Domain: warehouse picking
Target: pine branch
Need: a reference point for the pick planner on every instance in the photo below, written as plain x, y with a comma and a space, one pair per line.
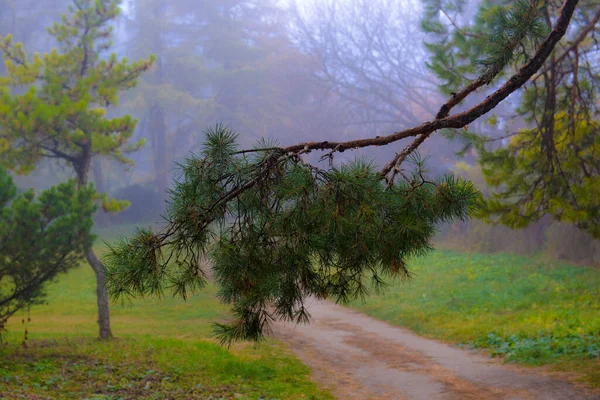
512, 84
279, 231
458, 120
421, 132
592, 24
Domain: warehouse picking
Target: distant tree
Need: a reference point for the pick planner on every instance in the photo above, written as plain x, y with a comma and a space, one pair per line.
370, 57
40, 237
166, 105
61, 112
369, 60
258, 80
280, 229
543, 157
216, 60
27, 19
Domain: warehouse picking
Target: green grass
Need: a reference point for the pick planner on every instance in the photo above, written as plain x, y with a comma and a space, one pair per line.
528, 310
163, 350
525, 309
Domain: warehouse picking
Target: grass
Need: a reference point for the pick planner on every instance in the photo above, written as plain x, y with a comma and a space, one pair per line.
163, 350
528, 310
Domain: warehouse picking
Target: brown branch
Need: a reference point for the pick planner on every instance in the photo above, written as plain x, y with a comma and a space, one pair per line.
582, 35
421, 132
515, 82
57, 154
580, 38
458, 28
456, 99
462, 119
574, 92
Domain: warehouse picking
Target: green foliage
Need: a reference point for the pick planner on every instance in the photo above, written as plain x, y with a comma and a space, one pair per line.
519, 28
112, 205
40, 237
558, 240
549, 166
164, 350
279, 230
530, 184
54, 105
529, 310
500, 34
545, 348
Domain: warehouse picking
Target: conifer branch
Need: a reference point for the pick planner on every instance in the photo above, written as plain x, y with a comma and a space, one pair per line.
512, 84
278, 230
458, 120
422, 131
592, 24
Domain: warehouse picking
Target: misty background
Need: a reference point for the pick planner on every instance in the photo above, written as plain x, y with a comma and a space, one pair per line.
289, 71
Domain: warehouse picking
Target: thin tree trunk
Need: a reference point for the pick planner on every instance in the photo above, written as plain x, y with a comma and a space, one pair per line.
82, 168
159, 147
101, 294
101, 218
158, 116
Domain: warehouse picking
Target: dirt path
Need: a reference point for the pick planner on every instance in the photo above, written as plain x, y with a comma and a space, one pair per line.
358, 357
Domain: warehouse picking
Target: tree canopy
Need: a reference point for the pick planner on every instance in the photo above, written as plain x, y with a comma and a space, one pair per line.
61, 113
279, 229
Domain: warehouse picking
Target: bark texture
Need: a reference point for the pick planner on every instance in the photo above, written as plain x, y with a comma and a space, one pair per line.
82, 167
101, 294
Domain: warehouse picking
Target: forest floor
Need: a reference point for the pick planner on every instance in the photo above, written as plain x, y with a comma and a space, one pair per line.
358, 357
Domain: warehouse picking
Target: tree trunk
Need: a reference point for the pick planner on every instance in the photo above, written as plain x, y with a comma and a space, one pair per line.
101, 294
101, 218
82, 168
159, 147
157, 117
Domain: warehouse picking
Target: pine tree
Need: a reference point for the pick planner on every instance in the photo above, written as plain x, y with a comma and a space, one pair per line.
279, 229
40, 237
59, 109
545, 159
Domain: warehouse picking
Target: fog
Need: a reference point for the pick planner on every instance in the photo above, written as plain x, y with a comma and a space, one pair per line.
409, 181
289, 71
266, 69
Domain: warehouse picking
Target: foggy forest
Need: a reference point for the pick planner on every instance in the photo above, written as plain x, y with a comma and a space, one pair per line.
300, 199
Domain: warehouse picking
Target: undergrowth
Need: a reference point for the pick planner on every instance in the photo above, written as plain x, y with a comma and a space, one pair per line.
543, 349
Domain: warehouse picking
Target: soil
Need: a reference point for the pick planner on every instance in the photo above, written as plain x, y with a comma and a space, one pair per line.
358, 357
